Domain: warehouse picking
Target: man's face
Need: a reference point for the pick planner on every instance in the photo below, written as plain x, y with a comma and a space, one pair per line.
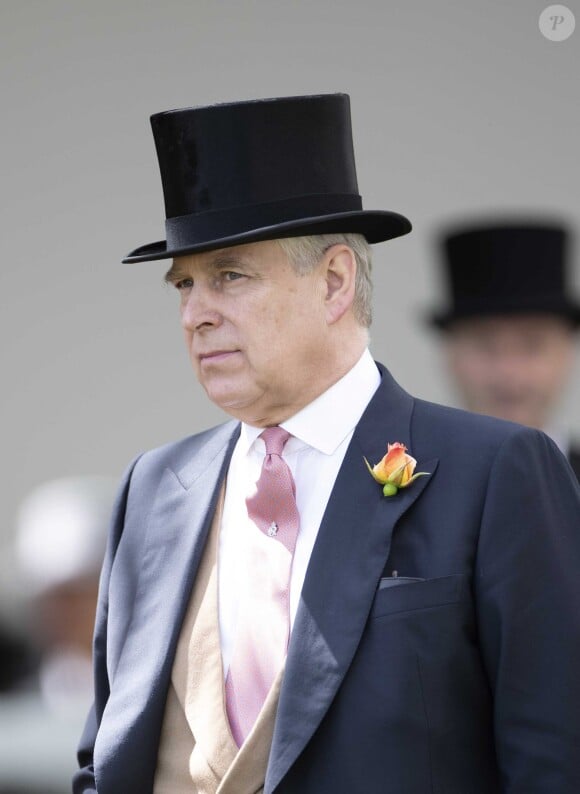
514, 367
255, 330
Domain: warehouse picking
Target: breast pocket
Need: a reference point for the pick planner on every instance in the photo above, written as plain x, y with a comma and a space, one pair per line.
404, 594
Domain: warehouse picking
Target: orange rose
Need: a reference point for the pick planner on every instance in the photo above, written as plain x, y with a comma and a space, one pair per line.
395, 470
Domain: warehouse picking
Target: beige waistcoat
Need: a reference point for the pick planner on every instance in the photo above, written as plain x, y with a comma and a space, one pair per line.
197, 753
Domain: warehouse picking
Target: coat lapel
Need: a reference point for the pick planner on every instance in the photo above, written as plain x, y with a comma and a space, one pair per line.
349, 556
176, 530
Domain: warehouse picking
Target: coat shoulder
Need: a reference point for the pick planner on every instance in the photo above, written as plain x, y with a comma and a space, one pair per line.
179, 455
440, 429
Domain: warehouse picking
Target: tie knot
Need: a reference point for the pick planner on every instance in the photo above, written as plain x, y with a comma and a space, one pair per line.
274, 439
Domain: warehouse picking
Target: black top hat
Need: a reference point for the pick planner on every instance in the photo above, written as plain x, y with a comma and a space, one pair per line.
246, 171
506, 268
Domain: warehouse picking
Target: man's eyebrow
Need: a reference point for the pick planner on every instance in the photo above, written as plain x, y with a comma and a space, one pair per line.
219, 261
172, 274
224, 259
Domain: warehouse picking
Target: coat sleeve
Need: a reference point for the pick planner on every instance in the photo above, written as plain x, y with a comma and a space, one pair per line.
84, 778
527, 588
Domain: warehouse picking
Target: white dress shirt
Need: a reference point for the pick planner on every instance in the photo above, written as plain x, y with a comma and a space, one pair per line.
321, 433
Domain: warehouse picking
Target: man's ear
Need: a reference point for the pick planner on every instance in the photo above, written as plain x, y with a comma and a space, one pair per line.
340, 274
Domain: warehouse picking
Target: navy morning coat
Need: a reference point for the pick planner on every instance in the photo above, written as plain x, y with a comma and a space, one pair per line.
436, 648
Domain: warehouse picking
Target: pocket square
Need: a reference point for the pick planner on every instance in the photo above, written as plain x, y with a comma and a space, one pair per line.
394, 581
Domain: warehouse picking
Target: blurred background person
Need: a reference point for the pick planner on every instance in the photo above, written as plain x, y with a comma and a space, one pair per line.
59, 546
509, 328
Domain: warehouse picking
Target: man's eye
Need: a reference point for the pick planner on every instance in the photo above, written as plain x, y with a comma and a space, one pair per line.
231, 275
184, 283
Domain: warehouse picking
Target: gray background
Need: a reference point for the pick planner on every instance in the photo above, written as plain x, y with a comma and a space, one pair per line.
458, 108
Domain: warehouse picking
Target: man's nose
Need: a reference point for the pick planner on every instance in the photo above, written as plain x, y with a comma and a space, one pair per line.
198, 310
511, 369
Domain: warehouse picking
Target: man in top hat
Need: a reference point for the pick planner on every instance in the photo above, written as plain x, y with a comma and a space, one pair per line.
510, 329
284, 606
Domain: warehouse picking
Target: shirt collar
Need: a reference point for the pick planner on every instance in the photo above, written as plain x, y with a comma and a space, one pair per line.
326, 421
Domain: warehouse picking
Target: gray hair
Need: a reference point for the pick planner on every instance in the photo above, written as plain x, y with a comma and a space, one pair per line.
304, 253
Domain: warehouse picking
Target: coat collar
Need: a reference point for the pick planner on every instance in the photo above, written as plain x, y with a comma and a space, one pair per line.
349, 555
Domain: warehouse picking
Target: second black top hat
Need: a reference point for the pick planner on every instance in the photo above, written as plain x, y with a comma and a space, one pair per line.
506, 268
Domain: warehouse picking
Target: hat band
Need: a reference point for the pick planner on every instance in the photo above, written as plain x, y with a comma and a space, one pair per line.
545, 300
200, 227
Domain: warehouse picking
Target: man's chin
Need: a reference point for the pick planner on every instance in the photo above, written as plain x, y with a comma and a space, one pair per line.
249, 408
228, 399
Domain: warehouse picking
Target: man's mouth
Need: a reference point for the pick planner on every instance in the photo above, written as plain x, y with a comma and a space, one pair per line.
215, 356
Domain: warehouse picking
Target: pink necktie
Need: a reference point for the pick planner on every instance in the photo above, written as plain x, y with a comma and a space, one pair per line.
263, 627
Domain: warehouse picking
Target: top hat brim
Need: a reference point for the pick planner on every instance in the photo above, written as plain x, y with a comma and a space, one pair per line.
376, 226
559, 307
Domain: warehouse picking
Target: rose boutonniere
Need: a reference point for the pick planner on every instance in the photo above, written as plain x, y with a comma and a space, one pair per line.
395, 470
